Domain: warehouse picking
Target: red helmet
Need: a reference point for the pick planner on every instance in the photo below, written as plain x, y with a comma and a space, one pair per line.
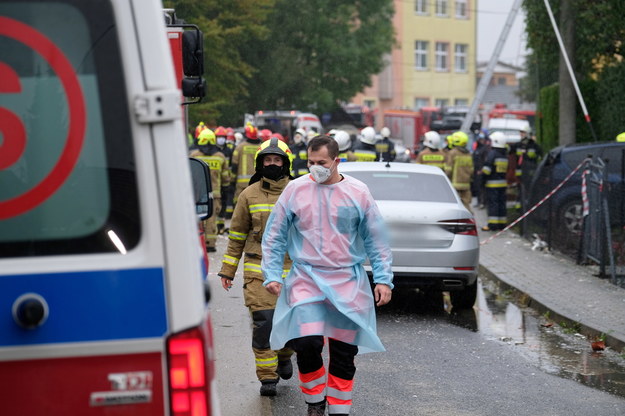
230, 134
251, 132
220, 131
265, 134
279, 136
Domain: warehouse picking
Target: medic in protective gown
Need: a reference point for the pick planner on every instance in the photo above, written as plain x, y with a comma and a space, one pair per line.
328, 232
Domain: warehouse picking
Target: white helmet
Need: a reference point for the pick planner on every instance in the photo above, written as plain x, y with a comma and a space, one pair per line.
385, 132
367, 135
432, 140
343, 140
498, 140
238, 137
332, 132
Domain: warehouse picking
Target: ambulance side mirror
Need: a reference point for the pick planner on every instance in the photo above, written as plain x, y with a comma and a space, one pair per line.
193, 85
202, 189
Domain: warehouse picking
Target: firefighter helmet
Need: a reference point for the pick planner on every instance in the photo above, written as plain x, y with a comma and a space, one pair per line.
432, 140
621, 137
272, 146
265, 134
230, 134
498, 139
279, 136
251, 132
385, 132
342, 139
207, 136
368, 135
221, 132
459, 139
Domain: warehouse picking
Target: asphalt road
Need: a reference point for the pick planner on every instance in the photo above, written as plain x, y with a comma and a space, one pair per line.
435, 364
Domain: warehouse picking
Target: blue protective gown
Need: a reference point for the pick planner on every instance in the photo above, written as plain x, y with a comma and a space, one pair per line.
328, 232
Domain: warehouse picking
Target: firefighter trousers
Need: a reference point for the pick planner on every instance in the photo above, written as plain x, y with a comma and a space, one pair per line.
210, 225
261, 305
337, 387
497, 212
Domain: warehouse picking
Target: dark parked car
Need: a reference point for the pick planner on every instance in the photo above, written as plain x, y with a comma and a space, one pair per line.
566, 204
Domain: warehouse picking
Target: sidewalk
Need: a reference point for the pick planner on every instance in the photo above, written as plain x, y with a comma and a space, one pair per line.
554, 283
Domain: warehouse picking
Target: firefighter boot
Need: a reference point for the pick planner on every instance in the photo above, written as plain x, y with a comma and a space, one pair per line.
285, 369
316, 409
268, 387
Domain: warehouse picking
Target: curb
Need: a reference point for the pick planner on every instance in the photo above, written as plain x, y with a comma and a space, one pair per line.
526, 300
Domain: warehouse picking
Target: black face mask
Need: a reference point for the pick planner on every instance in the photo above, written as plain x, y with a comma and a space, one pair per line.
273, 172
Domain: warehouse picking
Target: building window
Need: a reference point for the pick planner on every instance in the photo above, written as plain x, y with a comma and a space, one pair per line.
441, 8
442, 56
441, 102
420, 103
421, 7
461, 102
501, 81
462, 10
460, 57
421, 55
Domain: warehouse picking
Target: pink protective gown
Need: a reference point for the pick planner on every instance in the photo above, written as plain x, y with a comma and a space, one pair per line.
328, 232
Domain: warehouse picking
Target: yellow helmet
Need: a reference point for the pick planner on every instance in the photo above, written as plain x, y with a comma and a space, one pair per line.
273, 146
207, 136
459, 139
621, 137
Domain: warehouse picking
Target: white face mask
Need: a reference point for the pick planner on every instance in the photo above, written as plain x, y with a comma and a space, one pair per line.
221, 141
320, 173
298, 138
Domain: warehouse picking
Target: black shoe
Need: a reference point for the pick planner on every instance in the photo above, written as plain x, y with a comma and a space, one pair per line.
268, 388
316, 409
285, 369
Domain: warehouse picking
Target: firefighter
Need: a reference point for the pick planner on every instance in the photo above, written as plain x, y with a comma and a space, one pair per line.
385, 148
364, 148
230, 145
265, 134
272, 174
198, 129
243, 160
344, 141
300, 154
220, 177
221, 134
527, 154
459, 167
431, 154
494, 172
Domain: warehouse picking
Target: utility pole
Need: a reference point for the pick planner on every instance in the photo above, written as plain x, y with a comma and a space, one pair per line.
488, 73
566, 110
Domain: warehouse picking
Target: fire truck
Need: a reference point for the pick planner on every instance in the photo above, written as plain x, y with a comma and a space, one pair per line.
103, 301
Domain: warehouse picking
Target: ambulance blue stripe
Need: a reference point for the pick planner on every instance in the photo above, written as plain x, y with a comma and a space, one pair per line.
87, 306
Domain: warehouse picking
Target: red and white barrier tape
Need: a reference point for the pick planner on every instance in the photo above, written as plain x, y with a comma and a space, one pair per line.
542, 201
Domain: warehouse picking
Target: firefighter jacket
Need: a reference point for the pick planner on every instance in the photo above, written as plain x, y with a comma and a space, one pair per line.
299, 164
248, 223
347, 156
460, 168
495, 168
385, 150
218, 164
432, 157
243, 163
328, 231
365, 152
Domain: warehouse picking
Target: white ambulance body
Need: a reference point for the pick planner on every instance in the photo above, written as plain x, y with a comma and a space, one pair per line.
102, 303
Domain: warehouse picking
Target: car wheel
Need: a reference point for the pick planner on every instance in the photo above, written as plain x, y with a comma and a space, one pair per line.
464, 299
571, 216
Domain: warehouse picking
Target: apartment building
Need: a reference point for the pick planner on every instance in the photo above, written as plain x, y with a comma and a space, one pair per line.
434, 63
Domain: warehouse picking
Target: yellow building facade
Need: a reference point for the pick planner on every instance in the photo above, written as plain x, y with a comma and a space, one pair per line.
434, 62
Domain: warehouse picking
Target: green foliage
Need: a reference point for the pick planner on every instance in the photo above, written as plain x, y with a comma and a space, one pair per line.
611, 102
548, 119
588, 88
228, 27
319, 52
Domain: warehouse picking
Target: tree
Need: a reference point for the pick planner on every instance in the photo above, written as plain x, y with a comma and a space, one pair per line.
229, 27
319, 52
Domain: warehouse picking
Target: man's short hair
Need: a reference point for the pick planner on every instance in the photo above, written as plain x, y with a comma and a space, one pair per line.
318, 142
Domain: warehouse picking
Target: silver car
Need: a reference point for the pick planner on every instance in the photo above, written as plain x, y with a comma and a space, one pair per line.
433, 236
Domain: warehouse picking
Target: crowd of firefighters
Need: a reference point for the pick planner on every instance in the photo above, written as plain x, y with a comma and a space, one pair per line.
485, 170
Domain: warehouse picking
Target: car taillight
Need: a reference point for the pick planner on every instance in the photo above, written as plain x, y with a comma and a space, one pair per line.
465, 226
188, 374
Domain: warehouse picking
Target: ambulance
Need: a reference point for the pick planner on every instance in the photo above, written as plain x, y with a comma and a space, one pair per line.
103, 303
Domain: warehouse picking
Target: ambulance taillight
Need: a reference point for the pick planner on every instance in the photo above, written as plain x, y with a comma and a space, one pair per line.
189, 373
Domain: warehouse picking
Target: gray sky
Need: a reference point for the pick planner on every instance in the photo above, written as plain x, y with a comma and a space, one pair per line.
491, 17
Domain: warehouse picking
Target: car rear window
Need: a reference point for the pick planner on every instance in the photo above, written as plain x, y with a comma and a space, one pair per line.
406, 186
